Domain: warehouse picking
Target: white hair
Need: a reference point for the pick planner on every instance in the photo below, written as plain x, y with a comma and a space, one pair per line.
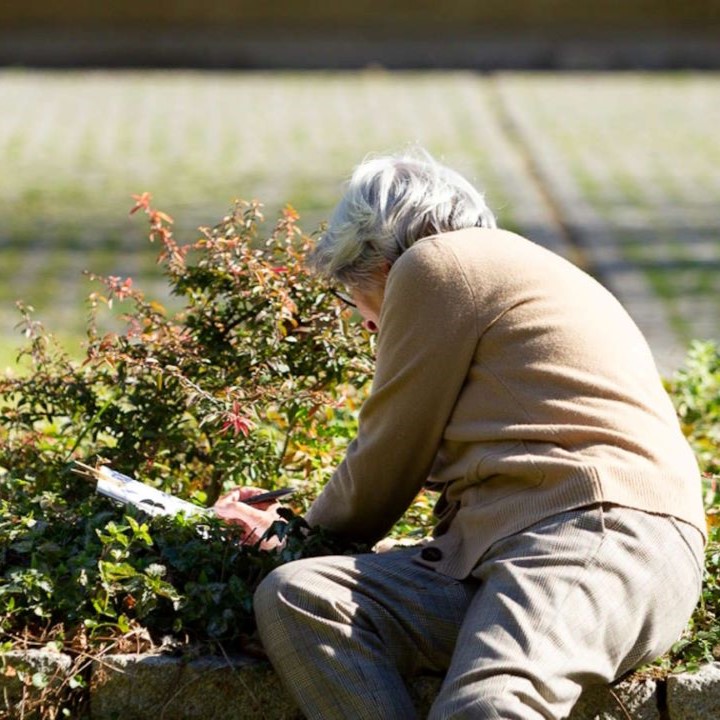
390, 203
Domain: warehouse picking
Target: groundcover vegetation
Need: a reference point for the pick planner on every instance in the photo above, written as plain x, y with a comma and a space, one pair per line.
254, 380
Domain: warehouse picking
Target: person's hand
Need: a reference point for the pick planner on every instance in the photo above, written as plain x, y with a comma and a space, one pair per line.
254, 519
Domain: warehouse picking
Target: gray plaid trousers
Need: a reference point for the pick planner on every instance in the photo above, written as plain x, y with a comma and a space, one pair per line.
575, 600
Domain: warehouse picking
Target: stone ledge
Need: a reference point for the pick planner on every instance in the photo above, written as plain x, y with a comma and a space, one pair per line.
63, 47
138, 687
695, 696
16, 674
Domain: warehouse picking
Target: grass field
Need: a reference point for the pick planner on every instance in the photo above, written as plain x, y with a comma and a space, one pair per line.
643, 153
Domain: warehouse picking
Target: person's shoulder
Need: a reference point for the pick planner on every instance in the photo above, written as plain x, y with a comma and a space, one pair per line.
429, 255
499, 262
453, 258
483, 244
437, 259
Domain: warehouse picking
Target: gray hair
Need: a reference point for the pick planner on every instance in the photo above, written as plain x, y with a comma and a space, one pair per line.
390, 203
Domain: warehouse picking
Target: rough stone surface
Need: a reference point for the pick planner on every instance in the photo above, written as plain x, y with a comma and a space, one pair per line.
142, 687
630, 699
695, 696
17, 669
138, 687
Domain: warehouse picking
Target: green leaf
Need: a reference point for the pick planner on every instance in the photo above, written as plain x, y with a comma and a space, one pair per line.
40, 680
111, 572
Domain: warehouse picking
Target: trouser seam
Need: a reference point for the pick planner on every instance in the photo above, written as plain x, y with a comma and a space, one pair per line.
698, 564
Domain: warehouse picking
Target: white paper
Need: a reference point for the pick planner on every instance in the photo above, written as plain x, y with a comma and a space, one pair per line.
150, 500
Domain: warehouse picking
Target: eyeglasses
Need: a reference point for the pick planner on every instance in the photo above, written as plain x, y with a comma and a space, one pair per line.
344, 298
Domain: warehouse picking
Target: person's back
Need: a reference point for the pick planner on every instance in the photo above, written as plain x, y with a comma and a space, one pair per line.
561, 396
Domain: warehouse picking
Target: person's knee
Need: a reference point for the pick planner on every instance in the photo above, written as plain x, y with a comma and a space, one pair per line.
285, 589
265, 595
270, 585
267, 599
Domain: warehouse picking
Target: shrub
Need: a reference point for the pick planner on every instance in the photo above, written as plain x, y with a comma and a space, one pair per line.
696, 393
254, 378
695, 390
226, 390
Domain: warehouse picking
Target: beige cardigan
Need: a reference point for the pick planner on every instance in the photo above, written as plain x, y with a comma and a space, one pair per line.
518, 385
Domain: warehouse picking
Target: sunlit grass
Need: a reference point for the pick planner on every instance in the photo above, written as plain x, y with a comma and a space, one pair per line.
198, 141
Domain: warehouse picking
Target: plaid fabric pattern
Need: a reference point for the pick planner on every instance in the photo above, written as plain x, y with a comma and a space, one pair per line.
575, 600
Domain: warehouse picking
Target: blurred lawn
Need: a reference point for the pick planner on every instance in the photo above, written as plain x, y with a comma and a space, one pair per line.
74, 146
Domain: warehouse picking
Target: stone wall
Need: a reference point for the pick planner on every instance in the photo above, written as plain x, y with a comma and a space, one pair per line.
357, 33
138, 687
374, 16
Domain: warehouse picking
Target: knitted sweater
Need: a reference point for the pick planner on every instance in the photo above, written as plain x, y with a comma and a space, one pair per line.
517, 385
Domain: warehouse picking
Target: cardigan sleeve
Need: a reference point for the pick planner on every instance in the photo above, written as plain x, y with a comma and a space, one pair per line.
428, 337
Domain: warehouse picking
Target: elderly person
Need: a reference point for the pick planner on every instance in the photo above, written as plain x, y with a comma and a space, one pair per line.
569, 543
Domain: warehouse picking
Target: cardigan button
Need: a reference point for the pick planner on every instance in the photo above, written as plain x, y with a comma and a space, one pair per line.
431, 554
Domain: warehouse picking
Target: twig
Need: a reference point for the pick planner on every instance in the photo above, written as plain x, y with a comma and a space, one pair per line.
620, 703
